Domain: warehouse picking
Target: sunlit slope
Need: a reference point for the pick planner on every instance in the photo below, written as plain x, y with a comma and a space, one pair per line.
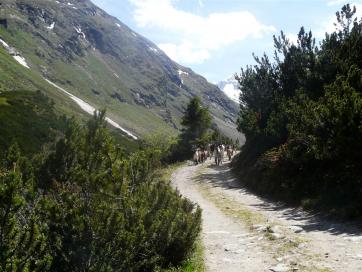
97, 58
30, 118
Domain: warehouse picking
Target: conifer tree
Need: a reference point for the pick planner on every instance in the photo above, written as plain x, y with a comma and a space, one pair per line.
196, 121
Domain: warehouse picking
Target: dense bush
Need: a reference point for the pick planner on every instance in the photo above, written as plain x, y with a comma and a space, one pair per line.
301, 115
87, 206
29, 119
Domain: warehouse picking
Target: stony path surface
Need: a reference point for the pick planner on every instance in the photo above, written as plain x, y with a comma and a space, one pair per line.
242, 232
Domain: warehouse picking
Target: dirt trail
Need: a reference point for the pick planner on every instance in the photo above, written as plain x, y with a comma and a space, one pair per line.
242, 232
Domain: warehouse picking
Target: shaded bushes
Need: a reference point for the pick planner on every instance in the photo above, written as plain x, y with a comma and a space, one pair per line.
27, 118
86, 206
302, 119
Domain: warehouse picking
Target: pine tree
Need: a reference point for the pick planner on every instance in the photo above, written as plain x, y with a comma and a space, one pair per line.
196, 121
23, 241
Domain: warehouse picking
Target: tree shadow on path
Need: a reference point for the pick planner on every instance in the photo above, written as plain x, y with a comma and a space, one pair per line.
222, 177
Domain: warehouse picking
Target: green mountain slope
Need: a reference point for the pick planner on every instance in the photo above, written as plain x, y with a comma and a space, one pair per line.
100, 60
30, 118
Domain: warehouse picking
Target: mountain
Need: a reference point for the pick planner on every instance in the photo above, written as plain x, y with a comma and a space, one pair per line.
80, 54
230, 87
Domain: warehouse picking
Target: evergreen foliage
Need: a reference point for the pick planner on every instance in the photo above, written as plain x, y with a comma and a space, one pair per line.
301, 115
28, 118
85, 205
196, 123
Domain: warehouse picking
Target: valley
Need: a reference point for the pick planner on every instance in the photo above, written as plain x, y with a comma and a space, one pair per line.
113, 156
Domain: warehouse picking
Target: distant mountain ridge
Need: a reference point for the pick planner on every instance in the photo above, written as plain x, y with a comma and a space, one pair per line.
96, 57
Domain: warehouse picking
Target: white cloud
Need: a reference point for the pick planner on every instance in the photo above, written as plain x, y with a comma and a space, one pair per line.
198, 36
336, 2
185, 52
293, 38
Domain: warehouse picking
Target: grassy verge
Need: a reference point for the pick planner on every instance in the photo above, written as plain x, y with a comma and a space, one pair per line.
196, 261
166, 172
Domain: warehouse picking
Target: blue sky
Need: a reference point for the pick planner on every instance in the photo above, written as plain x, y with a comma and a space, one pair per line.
216, 38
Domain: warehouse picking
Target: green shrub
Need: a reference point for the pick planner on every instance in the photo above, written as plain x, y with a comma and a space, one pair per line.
302, 119
91, 207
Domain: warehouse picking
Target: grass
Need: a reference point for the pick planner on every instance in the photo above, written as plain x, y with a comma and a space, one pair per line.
166, 172
126, 143
3, 101
195, 263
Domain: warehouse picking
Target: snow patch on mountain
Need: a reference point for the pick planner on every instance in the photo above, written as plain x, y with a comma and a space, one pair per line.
51, 26
90, 109
180, 72
21, 60
153, 49
230, 88
79, 31
4, 44
14, 53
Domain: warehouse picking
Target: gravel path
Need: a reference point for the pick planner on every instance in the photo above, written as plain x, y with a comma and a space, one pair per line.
242, 232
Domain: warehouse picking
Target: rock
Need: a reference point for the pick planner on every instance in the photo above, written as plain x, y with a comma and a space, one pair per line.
296, 229
280, 268
277, 236
230, 247
353, 239
274, 229
340, 244
259, 228
302, 245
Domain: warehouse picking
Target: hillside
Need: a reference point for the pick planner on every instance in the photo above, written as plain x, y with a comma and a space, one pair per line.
26, 115
97, 58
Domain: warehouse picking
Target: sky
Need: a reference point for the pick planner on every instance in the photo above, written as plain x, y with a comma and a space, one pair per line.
216, 38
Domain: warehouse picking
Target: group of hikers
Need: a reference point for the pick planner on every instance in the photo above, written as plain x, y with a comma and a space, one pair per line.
213, 150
